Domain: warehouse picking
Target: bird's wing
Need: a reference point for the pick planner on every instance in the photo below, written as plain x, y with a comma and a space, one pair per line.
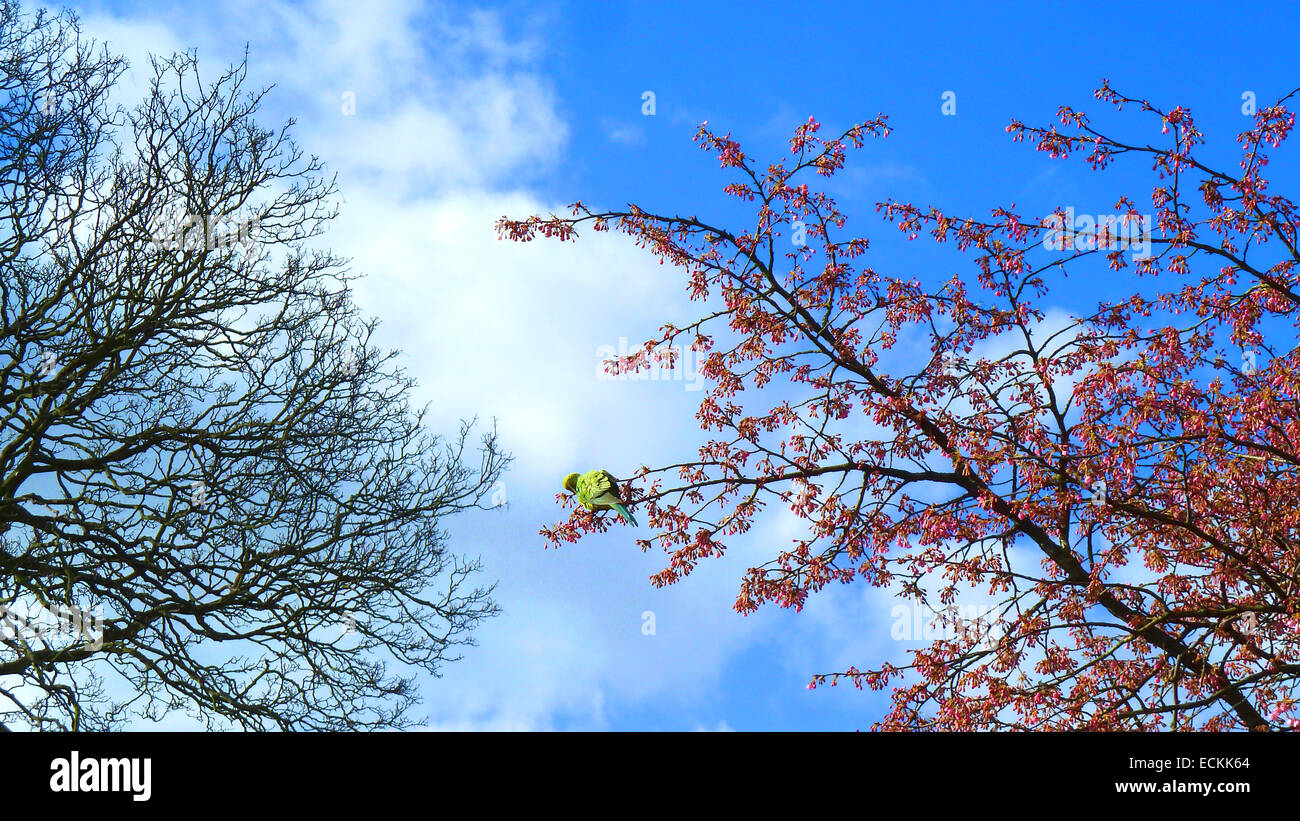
599, 487
613, 483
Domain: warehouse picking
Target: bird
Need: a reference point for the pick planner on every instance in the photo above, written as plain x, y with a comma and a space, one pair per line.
598, 490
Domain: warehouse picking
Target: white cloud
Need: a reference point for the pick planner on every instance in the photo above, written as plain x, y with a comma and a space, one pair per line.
442, 144
720, 727
623, 132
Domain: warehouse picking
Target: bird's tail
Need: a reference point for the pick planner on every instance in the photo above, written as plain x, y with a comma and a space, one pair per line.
622, 511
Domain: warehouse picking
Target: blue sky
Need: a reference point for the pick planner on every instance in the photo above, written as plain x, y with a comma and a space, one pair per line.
466, 112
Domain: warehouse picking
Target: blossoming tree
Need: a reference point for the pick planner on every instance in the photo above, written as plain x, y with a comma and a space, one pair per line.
1125, 487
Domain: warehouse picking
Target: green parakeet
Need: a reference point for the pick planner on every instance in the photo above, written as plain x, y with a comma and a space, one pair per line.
597, 490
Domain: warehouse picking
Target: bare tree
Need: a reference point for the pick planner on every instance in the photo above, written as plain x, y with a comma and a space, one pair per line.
212, 483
